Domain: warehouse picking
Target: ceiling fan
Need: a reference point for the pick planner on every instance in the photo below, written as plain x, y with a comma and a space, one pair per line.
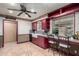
23, 10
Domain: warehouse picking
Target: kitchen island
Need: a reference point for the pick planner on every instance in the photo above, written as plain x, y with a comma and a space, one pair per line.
40, 40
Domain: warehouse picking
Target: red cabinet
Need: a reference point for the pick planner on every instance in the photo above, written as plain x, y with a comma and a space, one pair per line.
34, 25
46, 24
40, 41
34, 40
43, 42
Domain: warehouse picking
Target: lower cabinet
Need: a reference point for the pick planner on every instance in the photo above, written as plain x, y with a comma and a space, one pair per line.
74, 50
34, 40
41, 41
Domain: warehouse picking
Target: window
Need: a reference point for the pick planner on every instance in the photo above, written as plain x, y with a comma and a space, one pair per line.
64, 24
39, 26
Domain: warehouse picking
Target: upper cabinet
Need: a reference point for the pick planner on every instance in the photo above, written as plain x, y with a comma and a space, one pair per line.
34, 25
41, 24
46, 24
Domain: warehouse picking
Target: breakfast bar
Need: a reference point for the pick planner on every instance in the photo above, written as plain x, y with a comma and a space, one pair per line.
73, 45
40, 40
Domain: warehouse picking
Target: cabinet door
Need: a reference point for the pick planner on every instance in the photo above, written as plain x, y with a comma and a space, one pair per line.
34, 40
40, 43
43, 42
44, 24
46, 42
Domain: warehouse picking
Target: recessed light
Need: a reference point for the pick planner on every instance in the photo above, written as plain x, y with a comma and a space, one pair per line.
13, 4
10, 11
32, 10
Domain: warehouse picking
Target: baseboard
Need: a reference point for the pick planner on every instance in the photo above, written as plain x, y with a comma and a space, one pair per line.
22, 42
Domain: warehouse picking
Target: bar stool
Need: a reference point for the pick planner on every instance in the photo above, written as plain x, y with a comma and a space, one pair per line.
64, 46
53, 45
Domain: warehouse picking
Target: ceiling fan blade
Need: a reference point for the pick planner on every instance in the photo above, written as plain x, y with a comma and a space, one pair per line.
19, 13
14, 9
22, 6
31, 12
27, 14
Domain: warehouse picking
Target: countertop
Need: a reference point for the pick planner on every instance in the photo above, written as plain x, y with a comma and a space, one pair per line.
72, 41
35, 35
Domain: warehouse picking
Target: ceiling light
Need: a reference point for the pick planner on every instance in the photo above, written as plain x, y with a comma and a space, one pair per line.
10, 11
12, 4
32, 10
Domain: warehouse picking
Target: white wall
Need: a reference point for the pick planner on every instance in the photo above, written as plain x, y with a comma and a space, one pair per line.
1, 25
24, 26
76, 21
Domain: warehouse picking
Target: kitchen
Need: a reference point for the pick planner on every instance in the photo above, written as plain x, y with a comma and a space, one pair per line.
61, 24
43, 28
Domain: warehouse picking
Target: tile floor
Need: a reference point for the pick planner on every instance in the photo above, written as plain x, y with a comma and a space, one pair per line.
24, 49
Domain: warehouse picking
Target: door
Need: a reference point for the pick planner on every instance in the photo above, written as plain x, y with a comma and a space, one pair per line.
10, 31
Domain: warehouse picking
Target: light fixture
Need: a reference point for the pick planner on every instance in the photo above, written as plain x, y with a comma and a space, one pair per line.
13, 4
10, 11
32, 10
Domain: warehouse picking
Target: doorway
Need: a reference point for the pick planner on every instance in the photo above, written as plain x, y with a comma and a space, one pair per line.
10, 33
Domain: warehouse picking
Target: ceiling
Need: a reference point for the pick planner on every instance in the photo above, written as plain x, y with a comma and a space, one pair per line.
40, 8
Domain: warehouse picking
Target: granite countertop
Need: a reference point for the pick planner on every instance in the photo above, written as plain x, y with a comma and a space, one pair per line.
42, 35
74, 40
71, 40
35, 34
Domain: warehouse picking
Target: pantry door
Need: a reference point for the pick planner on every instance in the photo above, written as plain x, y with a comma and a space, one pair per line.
10, 31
